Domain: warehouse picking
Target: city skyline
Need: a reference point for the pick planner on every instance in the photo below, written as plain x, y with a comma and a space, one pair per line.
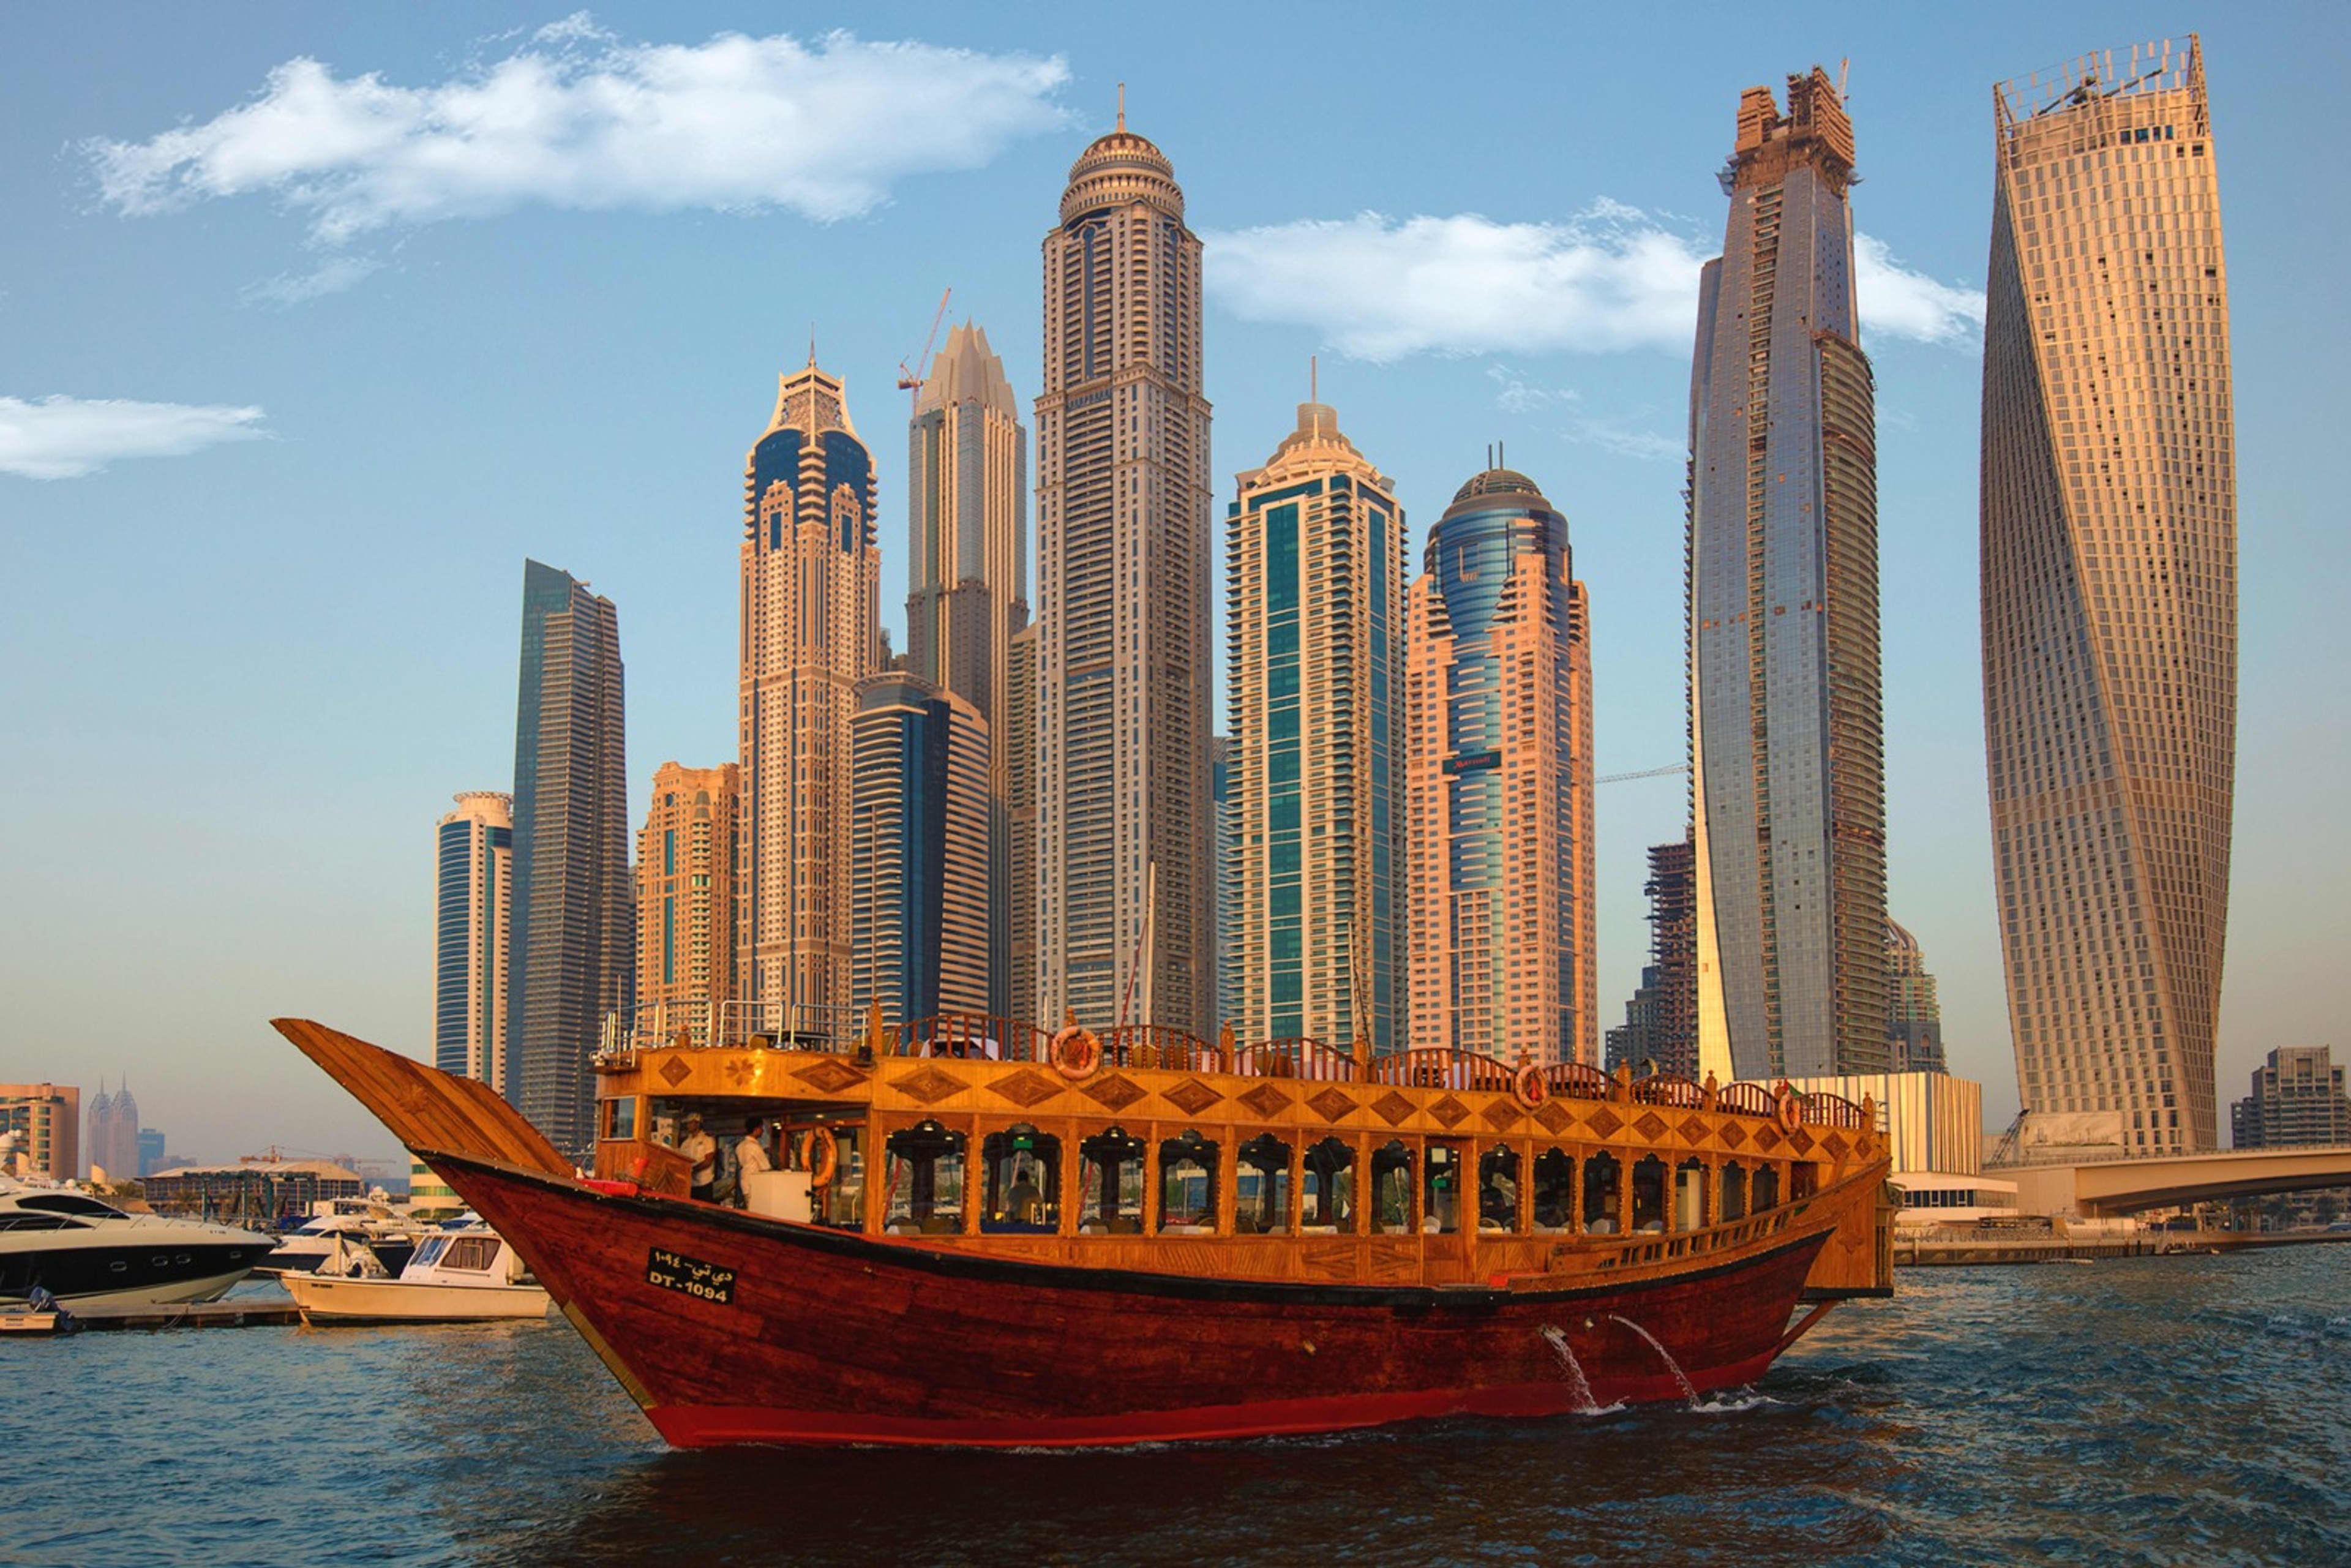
1626, 737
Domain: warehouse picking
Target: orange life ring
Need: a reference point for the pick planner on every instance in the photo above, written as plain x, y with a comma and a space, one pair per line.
1529, 1087
1790, 1112
823, 1158
1076, 1052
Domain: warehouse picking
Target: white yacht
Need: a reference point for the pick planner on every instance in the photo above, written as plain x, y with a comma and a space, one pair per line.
456, 1276
344, 1222
87, 1253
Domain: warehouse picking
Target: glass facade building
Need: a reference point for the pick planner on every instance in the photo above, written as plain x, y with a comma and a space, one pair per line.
2110, 589
1914, 1018
1787, 736
472, 936
572, 966
919, 834
1499, 836
1314, 596
810, 578
1126, 846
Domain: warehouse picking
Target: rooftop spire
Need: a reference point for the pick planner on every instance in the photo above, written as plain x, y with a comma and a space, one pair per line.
1122, 105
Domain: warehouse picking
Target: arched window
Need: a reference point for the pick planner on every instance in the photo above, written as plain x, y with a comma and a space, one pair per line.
1329, 1192
1187, 1184
1648, 1193
1734, 1191
1689, 1194
1765, 1193
1262, 1203
925, 1182
1603, 1177
1024, 1181
1440, 1203
1110, 1184
1392, 1188
1498, 1189
1554, 1190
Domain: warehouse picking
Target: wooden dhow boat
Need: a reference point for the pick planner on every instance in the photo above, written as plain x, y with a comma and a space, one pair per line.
984, 1234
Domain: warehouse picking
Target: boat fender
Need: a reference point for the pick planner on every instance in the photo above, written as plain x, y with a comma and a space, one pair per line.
1528, 1087
1790, 1111
824, 1157
1076, 1052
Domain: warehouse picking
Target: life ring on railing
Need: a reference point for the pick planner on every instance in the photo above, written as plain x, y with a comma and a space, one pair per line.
1787, 1109
1529, 1087
823, 1158
1076, 1052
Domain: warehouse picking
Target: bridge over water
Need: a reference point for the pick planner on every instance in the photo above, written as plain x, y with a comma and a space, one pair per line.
2094, 1188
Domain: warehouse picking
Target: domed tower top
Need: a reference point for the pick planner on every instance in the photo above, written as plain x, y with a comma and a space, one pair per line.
1120, 168
1500, 482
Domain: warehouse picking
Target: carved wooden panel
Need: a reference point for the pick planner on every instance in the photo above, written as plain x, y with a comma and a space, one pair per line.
929, 1086
1116, 1092
1026, 1087
1265, 1099
1192, 1096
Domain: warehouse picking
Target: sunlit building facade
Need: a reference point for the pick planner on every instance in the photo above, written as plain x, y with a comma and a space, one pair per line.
968, 576
686, 857
1314, 595
1913, 1017
473, 919
1020, 813
1499, 830
47, 1120
1125, 842
810, 577
2109, 589
1786, 732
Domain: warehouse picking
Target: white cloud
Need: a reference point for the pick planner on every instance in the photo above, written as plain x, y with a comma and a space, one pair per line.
1612, 278
1906, 303
332, 277
67, 437
574, 118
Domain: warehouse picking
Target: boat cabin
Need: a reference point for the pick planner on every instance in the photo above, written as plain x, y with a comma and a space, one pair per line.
1148, 1148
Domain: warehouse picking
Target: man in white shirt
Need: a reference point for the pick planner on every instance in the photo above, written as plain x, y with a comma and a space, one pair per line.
702, 1151
750, 1158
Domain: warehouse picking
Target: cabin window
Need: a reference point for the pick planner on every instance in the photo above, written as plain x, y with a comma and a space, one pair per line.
1803, 1179
924, 1191
1604, 1176
1392, 1188
1110, 1184
1498, 1189
1648, 1194
1188, 1186
1765, 1192
840, 1203
1329, 1194
1024, 1181
1689, 1194
1440, 1213
1734, 1192
621, 1117
1554, 1193
1261, 1206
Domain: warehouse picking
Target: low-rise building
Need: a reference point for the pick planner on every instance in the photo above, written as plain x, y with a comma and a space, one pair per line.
254, 1189
1933, 1125
46, 1117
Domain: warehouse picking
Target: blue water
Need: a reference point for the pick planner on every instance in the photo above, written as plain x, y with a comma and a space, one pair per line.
2164, 1410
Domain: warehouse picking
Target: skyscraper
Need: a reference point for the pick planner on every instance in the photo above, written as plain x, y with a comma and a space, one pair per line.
686, 857
812, 574
1020, 791
574, 958
1786, 734
110, 1142
2296, 1099
1661, 1018
1314, 595
2110, 589
1225, 800
968, 578
1499, 847
472, 913
1126, 846
1914, 1018
918, 842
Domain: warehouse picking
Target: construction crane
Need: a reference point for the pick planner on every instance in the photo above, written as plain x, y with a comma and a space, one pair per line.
1643, 773
909, 380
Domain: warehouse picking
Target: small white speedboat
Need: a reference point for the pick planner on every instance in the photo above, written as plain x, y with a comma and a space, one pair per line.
455, 1277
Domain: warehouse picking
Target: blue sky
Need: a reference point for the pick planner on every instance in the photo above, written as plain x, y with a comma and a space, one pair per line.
316, 321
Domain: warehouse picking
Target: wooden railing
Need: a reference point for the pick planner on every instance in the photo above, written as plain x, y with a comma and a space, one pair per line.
1158, 1045
1747, 1099
1669, 1089
1298, 1057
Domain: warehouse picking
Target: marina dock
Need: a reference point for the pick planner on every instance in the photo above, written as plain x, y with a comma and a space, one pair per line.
232, 1313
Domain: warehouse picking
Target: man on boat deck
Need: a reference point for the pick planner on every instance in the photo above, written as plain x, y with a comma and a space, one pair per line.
750, 1159
702, 1151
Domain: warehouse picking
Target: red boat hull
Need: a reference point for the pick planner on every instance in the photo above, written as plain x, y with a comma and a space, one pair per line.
731, 1328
